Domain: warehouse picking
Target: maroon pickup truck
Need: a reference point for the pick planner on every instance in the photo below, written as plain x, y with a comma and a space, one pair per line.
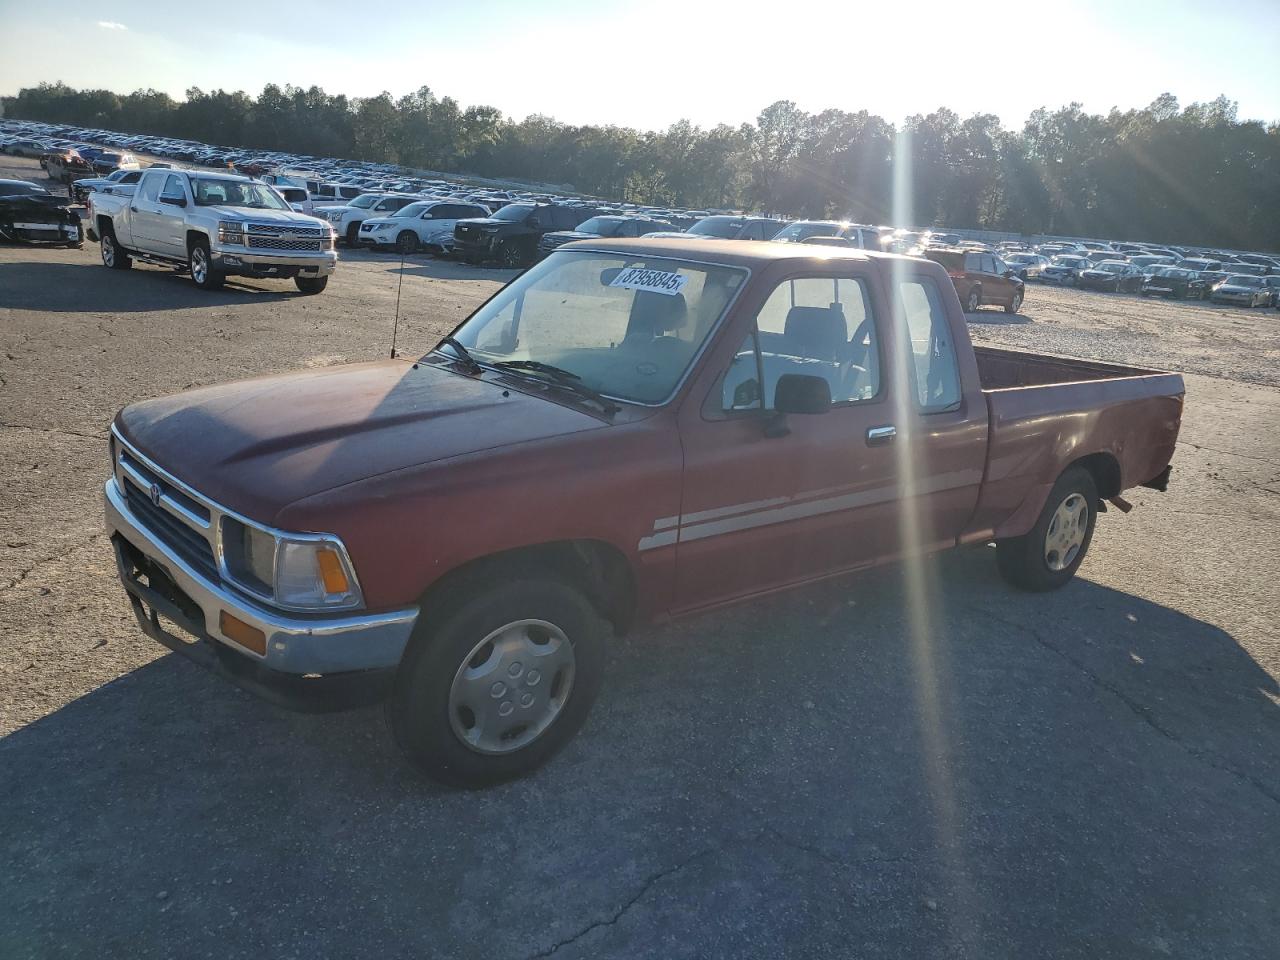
631, 430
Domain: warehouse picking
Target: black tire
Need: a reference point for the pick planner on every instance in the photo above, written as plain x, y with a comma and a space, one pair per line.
1023, 561
1068, 281
1015, 304
311, 285
511, 256
973, 301
418, 710
200, 263
352, 236
407, 242
113, 255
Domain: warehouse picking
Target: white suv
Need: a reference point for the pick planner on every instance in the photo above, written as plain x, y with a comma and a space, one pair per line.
346, 220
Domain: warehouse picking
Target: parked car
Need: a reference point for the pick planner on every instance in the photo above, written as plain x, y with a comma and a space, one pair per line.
426, 223
31, 214
1028, 266
25, 147
108, 161
69, 167
1149, 263
346, 218
1243, 290
1175, 283
214, 225
981, 279
1272, 283
725, 227
296, 197
602, 227
1199, 265
1114, 275
512, 234
463, 546
863, 237
1064, 270
120, 181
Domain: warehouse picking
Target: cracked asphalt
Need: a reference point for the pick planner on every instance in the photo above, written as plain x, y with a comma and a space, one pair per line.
1092, 773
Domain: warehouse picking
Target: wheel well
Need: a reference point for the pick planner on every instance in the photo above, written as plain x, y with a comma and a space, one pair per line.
105, 225
193, 236
1105, 470
599, 569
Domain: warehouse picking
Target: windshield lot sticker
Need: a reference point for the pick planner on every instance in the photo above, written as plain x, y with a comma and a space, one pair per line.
651, 281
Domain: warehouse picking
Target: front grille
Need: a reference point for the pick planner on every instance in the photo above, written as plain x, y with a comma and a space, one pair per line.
279, 243
41, 234
297, 230
186, 542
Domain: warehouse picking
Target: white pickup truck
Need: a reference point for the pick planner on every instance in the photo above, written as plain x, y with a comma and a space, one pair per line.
214, 225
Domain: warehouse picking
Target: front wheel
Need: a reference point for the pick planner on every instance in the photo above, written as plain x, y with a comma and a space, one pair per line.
973, 301
511, 255
1049, 555
352, 236
202, 269
310, 285
113, 255
407, 242
1015, 304
497, 681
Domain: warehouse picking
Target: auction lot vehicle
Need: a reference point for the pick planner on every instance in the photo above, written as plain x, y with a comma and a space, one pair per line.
1243, 290
512, 234
347, 218
214, 225
121, 181
1064, 270
598, 228
1175, 283
31, 214
981, 279
426, 223
630, 430
1117, 276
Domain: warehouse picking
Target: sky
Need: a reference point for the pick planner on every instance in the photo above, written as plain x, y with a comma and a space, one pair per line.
649, 65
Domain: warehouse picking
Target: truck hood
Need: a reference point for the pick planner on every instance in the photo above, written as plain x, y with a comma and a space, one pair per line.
256, 446
258, 215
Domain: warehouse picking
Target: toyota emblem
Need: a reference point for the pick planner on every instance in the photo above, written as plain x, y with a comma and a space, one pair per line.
155, 494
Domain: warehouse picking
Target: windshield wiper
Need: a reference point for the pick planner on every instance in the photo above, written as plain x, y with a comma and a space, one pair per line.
561, 377
468, 361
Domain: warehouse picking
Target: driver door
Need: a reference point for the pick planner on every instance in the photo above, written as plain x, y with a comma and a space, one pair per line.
170, 219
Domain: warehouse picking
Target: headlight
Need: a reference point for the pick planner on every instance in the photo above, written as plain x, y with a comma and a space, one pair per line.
295, 572
230, 231
383, 226
489, 229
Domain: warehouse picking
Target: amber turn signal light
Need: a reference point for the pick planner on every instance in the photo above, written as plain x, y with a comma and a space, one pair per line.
251, 638
331, 572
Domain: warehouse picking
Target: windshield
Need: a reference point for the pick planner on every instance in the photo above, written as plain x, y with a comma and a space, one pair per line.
1070, 261
1110, 267
627, 327
797, 232
365, 201
725, 228
602, 226
514, 212
412, 209
1173, 273
236, 193
1020, 258
1240, 280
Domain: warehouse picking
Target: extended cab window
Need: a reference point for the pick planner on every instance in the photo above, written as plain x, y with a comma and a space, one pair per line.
937, 377
819, 326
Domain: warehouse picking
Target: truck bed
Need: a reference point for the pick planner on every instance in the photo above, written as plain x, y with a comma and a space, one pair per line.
1047, 412
1006, 369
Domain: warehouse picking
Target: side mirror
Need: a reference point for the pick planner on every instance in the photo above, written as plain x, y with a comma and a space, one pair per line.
801, 393
174, 201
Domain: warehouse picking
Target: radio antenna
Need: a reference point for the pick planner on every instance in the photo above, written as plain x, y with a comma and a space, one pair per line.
395, 327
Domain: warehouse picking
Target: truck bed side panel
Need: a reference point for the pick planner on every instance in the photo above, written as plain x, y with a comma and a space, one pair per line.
1037, 432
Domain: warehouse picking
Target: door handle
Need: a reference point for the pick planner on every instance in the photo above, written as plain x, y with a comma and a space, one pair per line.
877, 436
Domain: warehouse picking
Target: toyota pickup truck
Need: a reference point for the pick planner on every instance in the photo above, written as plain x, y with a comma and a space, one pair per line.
629, 431
213, 225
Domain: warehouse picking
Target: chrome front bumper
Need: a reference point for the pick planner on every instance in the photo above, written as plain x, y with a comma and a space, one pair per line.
295, 645
233, 259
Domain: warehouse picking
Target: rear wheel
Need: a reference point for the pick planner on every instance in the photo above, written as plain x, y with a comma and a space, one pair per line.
202, 269
352, 236
1049, 555
973, 301
113, 255
310, 285
407, 242
501, 678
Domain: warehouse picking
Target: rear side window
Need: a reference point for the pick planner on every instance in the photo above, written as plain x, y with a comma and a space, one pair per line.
937, 376
972, 263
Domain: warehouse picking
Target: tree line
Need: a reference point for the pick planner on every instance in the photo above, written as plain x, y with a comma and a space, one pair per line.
1167, 173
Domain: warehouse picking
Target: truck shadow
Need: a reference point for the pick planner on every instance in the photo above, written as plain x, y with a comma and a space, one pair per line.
1075, 767
60, 288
